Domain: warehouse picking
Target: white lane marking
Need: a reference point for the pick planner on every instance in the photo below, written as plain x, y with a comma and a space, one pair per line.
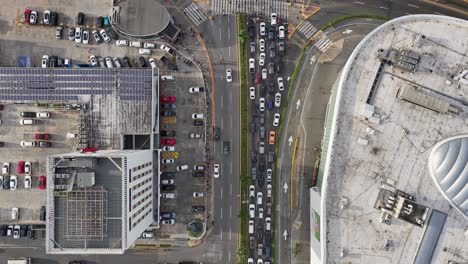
221, 213
230, 212
220, 38
361, 3
230, 167
222, 123
230, 98
413, 6
229, 256
229, 50
221, 193
221, 238
230, 233
383, 7
229, 31
221, 102
230, 189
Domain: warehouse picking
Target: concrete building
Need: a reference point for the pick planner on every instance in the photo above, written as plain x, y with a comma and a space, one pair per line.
393, 187
98, 203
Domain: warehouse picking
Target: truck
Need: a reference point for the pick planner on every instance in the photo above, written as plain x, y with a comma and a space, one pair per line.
226, 147
19, 261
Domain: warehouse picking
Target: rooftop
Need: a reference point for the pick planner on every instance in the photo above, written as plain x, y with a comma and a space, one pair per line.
399, 96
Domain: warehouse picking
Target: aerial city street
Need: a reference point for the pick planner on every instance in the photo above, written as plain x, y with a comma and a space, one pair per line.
234, 131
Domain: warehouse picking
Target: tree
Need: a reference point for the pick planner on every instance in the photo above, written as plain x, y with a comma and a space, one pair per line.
297, 249
243, 36
244, 179
243, 213
242, 254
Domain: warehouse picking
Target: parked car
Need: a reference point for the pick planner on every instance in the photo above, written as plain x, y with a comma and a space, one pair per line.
100, 22
26, 15
14, 213
182, 167
16, 232
20, 168
167, 215
168, 187
167, 181
148, 45
198, 167
271, 137
167, 161
71, 33
198, 209
96, 36
80, 19
168, 148
121, 42
13, 182
136, 44
6, 182
42, 182
85, 37
152, 63
27, 182
168, 141
170, 133
104, 35
168, 195
167, 49
58, 32
168, 113
33, 18
217, 133
142, 62
28, 143
53, 18
6, 168
25, 122
42, 214
43, 144
144, 51
147, 235
197, 116
168, 99
47, 17
197, 122
111, 33
196, 136
196, 89
198, 195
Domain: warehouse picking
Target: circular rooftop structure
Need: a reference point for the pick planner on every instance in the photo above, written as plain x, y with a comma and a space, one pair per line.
141, 19
448, 166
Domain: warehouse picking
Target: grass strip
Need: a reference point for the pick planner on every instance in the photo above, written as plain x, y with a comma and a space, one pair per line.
342, 18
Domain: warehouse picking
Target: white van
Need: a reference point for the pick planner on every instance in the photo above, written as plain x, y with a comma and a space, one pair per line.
144, 51
167, 78
25, 122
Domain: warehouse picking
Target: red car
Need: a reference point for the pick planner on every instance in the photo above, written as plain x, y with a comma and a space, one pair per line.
168, 99
27, 14
21, 166
42, 136
258, 78
168, 141
42, 182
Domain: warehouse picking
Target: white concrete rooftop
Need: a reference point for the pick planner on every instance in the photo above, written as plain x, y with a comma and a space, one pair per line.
394, 145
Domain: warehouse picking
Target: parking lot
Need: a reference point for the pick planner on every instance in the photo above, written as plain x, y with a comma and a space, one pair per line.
188, 149
30, 199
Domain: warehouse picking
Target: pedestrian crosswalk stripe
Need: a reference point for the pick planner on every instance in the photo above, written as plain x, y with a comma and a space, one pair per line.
195, 14
307, 29
252, 7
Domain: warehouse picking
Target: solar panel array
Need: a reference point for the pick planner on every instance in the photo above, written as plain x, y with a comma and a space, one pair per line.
65, 84
135, 85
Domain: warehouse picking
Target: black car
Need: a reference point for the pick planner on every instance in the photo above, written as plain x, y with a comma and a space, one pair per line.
168, 113
6, 182
169, 106
261, 180
261, 166
112, 33
42, 215
252, 242
253, 173
253, 157
168, 174
28, 114
271, 33
197, 123
126, 62
169, 65
167, 215
3, 230
251, 30
80, 19
60, 62
53, 18
268, 251
198, 174
24, 230
262, 90
198, 209
271, 87
217, 133
281, 48
252, 128
260, 233
100, 22
52, 61
43, 144
168, 187
142, 62
170, 133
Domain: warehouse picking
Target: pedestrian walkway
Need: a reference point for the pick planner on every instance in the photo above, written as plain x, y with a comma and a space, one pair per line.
323, 44
195, 14
307, 29
251, 7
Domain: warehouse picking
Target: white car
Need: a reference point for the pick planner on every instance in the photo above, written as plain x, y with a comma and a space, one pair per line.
117, 62
6, 168
13, 182
261, 104
259, 198
250, 261
195, 89
198, 195
261, 62
197, 116
262, 44
251, 228
78, 35
168, 148
280, 84
147, 235
121, 42
262, 29
27, 182
269, 174
268, 223
167, 161
45, 61
251, 65
252, 191
144, 51
264, 74
27, 168
104, 35
47, 17
260, 213
33, 17
28, 143
42, 114
277, 100
260, 261
167, 49
152, 63
85, 36
252, 93
282, 33
274, 19
16, 232
216, 171
269, 190
14, 213
168, 195
252, 211
170, 181
182, 167
276, 120
27, 122
147, 45
93, 60
228, 75
261, 148
135, 44
1, 182
168, 222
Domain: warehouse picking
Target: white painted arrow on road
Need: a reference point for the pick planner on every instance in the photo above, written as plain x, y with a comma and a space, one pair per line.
285, 234
312, 60
347, 32
285, 187
290, 140
298, 104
